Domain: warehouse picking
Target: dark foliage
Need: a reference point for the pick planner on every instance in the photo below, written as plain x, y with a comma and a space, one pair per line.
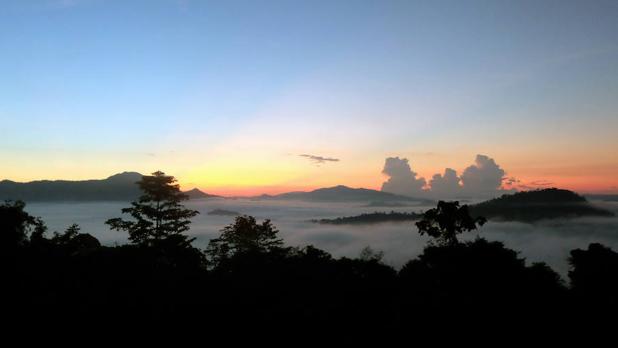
594, 276
16, 225
256, 286
158, 216
478, 274
244, 236
446, 221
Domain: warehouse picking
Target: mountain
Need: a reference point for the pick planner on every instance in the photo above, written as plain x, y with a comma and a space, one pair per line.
197, 194
119, 187
342, 194
371, 218
224, 212
530, 206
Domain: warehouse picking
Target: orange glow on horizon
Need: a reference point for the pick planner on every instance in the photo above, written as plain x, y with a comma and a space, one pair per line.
594, 185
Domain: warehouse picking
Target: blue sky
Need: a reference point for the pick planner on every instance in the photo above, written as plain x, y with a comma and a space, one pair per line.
90, 87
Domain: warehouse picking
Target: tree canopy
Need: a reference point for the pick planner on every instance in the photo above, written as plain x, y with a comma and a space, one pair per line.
244, 235
17, 226
446, 221
158, 215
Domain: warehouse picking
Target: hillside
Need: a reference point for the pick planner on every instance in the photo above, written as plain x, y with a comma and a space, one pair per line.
119, 187
371, 218
343, 194
224, 212
530, 206
198, 194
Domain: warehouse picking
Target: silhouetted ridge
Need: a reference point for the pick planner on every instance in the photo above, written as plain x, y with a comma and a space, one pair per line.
343, 193
118, 187
131, 177
223, 212
198, 194
536, 205
371, 218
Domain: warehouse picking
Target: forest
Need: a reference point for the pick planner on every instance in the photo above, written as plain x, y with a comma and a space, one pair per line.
248, 279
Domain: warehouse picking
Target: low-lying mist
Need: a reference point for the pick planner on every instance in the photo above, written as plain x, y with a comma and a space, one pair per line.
549, 241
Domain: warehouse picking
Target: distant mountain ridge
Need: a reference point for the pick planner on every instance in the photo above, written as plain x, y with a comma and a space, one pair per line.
371, 218
526, 206
118, 187
122, 187
530, 206
343, 193
198, 194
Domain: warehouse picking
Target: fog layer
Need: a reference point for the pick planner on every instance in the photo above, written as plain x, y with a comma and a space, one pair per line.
548, 241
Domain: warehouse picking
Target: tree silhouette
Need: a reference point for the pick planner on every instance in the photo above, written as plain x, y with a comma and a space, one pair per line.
446, 221
69, 234
17, 227
158, 215
244, 235
368, 254
594, 274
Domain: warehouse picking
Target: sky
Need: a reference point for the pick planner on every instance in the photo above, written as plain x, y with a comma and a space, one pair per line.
246, 97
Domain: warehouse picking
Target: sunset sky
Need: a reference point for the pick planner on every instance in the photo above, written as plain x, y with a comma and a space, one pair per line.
227, 95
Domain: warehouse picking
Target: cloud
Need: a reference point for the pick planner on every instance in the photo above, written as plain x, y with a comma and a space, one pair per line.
514, 183
541, 183
446, 185
402, 180
511, 181
319, 159
483, 178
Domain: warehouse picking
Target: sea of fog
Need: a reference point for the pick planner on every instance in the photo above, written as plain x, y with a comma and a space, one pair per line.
548, 241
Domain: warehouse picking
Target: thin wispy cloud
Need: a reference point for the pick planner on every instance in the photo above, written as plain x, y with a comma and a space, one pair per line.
541, 183
319, 159
510, 181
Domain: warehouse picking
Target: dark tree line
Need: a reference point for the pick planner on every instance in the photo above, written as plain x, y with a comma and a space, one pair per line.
248, 280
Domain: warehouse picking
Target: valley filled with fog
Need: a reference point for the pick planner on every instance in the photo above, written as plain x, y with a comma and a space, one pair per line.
549, 241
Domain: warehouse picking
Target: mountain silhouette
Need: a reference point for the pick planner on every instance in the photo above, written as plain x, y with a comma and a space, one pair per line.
343, 193
530, 206
224, 212
371, 218
198, 194
118, 187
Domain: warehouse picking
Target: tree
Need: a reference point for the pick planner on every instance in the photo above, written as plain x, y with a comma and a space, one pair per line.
73, 240
594, 274
369, 255
448, 220
17, 227
481, 276
158, 215
69, 234
244, 235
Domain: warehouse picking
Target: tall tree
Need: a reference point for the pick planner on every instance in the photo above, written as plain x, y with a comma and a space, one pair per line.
448, 220
158, 215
